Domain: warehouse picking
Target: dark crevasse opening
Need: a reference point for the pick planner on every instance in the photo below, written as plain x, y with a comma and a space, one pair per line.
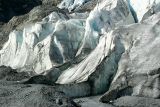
134, 14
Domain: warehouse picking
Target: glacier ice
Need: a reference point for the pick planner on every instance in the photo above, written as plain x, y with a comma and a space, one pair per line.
61, 38
106, 16
44, 44
140, 7
71, 4
138, 68
84, 69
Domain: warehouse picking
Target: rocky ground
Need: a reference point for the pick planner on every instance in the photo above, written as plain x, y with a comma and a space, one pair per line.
15, 92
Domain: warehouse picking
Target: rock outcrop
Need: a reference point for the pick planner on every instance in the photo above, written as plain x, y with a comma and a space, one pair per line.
14, 92
10, 8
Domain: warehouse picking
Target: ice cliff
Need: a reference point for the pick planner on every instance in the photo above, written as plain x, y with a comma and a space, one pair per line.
57, 39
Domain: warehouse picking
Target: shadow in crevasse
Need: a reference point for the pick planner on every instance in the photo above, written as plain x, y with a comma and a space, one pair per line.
133, 12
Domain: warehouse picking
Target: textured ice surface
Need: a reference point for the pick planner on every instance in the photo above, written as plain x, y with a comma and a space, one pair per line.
81, 71
60, 38
107, 15
138, 69
142, 6
44, 44
71, 4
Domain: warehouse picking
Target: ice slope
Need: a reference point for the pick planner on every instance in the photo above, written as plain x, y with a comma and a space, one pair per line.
71, 4
84, 69
44, 44
107, 15
138, 71
60, 38
57, 39
140, 7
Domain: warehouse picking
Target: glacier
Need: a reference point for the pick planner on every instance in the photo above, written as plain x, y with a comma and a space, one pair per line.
91, 37
58, 39
140, 7
138, 68
38, 41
